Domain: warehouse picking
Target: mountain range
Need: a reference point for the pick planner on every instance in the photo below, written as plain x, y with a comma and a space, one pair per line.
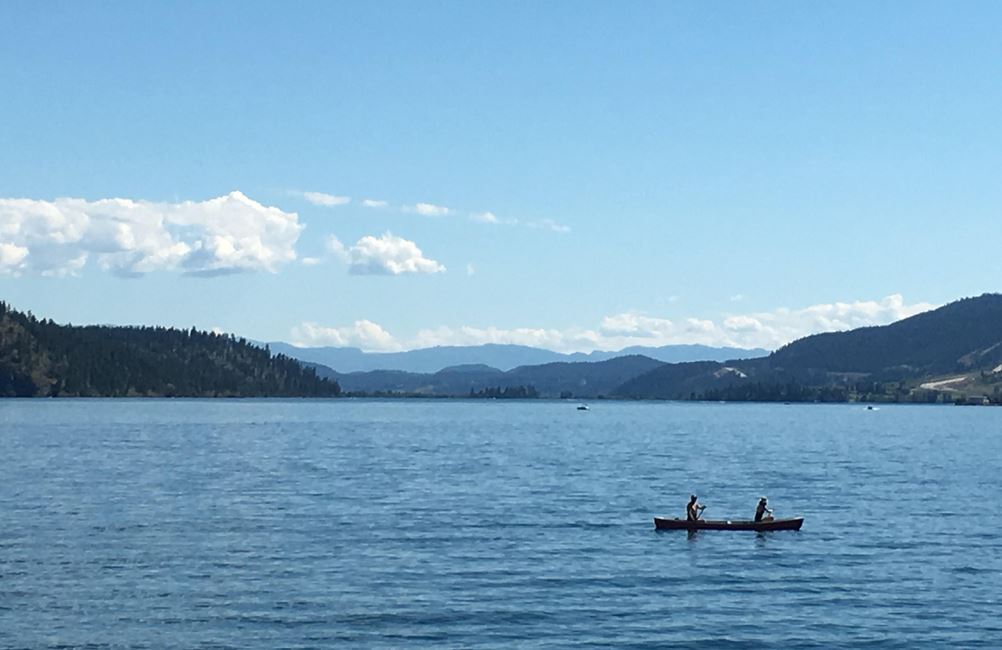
953, 354
946, 354
501, 357
560, 379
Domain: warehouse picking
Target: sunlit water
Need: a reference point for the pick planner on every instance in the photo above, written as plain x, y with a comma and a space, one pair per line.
378, 524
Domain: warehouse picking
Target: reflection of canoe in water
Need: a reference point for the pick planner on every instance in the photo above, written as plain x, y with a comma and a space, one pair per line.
709, 524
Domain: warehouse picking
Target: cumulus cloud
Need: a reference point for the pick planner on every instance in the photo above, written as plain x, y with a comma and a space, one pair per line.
326, 200
430, 210
768, 330
362, 334
228, 234
385, 255
374, 203
12, 258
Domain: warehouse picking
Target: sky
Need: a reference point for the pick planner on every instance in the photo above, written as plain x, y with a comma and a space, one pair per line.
571, 175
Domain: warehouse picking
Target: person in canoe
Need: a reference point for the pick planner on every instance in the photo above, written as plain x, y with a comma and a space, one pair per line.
693, 510
762, 512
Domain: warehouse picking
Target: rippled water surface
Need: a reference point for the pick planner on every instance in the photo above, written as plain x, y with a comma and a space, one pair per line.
378, 524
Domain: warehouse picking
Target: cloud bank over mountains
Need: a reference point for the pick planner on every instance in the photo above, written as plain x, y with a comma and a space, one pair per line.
227, 234
768, 330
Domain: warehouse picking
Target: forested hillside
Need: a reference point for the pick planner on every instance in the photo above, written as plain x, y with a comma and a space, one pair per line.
947, 354
963, 334
42, 358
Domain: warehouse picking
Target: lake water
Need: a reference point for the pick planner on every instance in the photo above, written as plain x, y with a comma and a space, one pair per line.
385, 524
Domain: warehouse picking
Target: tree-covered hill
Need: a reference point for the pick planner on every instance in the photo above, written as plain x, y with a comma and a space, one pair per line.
937, 341
961, 340
42, 358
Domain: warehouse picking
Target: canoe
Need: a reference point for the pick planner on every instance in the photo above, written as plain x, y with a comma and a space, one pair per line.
793, 523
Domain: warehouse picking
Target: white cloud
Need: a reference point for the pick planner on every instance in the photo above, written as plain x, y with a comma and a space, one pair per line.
738, 297
310, 261
549, 224
470, 269
430, 210
231, 233
491, 218
335, 246
635, 325
12, 258
743, 324
433, 210
362, 334
553, 339
326, 200
765, 329
385, 255
485, 217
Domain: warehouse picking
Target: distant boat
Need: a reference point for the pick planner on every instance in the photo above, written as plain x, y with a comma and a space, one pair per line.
582, 407
872, 408
662, 523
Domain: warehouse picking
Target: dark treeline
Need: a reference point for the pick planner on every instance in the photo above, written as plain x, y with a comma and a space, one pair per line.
789, 392
42, 358
507, 392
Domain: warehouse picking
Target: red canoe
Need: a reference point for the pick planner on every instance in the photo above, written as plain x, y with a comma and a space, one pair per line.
709, 524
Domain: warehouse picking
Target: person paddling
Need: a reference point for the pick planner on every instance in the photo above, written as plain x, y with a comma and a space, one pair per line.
762, 509
693, 510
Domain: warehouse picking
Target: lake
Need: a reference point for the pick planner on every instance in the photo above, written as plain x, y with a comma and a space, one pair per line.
494, 524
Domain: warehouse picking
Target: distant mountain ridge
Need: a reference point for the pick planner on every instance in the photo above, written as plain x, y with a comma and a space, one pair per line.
940, 355
560, 379
501, 356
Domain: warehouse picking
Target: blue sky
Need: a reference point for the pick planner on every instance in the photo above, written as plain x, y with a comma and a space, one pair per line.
572, 175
